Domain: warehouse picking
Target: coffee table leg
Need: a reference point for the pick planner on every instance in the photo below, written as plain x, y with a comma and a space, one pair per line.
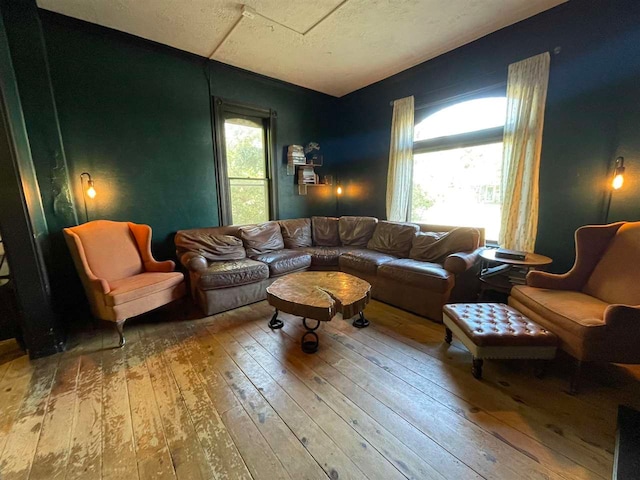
275, 323
310, 341
360, 322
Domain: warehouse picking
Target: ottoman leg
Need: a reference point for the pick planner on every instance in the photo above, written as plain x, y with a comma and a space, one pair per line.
448, 335
541, 368
476, 368
574, 385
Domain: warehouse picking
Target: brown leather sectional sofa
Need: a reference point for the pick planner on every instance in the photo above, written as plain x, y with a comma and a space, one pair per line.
415, 267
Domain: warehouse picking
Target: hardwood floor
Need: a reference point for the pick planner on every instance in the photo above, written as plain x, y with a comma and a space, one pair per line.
226, 397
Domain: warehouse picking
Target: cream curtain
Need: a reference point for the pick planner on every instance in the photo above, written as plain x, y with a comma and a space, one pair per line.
526, 97
400, 161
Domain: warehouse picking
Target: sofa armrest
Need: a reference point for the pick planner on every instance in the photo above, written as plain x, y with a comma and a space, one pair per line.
623, 317
194, 262
155, 266
460, 262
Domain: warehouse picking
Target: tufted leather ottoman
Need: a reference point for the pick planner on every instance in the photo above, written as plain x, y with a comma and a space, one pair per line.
495, 330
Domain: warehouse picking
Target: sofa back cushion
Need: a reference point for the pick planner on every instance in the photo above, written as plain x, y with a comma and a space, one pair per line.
393, 238
110, 248
263, 238
615, 278
296, 232
213, 247
325, 231
356, 231
436, 246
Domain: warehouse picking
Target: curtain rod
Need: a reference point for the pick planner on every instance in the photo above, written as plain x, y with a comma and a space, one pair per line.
421, 106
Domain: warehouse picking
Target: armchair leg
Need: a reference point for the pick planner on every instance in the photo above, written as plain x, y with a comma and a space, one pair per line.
120, 329
574, 384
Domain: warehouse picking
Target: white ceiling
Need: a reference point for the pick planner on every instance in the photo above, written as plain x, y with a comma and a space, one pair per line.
356, 43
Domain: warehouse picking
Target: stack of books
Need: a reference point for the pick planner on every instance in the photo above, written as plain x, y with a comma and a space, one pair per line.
295, 156
306, 176
518, 275
510, 254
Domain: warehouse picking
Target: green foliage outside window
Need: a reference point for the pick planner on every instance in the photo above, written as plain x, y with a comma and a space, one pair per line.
246, 169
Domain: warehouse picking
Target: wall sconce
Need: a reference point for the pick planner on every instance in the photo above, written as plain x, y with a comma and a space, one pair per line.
339, 189
618, 174
616, 183
89, 192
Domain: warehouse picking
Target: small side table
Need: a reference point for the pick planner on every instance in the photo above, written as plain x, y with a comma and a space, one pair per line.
497, 278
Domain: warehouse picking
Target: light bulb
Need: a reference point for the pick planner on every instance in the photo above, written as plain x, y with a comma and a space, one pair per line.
91, 192
339, 190
618, 181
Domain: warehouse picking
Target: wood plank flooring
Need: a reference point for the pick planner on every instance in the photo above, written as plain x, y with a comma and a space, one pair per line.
224, 397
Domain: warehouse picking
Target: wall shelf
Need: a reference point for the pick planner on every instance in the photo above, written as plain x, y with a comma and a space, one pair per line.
302, 187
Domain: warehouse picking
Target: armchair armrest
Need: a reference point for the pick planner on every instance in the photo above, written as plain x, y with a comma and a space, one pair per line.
87, 276
155, 266
142, 234
591, 242
194, 262
552, 281
460, 262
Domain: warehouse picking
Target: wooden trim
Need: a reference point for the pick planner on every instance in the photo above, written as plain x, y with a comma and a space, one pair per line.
221, 110
480, 137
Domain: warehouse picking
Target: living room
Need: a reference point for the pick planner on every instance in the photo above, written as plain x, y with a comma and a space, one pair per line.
136, 99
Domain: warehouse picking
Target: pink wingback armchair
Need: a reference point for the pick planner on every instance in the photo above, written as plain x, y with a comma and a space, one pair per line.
118, 272
595, 307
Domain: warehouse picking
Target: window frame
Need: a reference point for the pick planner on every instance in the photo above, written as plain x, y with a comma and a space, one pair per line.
461, 140
223, 109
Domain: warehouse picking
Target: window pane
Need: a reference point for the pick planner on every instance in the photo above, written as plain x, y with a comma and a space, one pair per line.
459, 187
249, 201
245, 149
464, 117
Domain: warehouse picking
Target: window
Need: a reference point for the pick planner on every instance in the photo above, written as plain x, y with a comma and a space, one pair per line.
244, 142
457, 165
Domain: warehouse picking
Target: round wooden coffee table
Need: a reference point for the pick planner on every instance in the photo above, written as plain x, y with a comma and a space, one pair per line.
318, 296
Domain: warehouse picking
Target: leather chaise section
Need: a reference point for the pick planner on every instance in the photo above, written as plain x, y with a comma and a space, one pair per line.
430, 276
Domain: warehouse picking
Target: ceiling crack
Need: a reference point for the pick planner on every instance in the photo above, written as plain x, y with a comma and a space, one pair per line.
248, 12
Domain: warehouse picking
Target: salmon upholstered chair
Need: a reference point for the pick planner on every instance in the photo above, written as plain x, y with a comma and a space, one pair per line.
595, 307
118, 272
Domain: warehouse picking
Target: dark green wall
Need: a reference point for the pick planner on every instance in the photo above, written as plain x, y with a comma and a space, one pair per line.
593, 114
136, 115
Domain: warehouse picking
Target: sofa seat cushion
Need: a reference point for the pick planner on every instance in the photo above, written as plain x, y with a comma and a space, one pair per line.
365, 261
326, 256
575, 312
285, 261
430, 276
232, 273
141, 285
